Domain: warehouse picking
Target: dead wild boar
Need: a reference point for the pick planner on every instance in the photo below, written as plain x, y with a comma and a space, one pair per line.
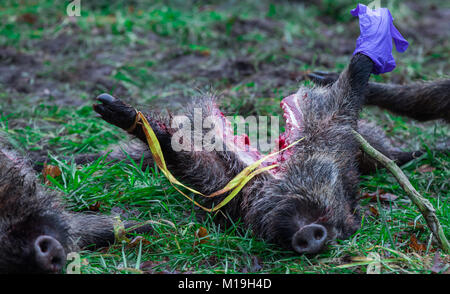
36, 232
311, 199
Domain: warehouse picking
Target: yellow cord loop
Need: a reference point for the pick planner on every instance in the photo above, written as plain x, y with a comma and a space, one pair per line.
119, 230
235, 185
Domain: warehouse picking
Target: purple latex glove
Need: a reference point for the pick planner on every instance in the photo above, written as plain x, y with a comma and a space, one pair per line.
375, 41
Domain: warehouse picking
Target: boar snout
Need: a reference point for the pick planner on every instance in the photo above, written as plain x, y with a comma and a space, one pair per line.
49, 254
309, 239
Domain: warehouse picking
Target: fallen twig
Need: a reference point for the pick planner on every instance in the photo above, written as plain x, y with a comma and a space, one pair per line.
424, 206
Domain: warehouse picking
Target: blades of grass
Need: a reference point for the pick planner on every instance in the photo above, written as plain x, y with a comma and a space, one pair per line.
383, 218
139, 257
124, 258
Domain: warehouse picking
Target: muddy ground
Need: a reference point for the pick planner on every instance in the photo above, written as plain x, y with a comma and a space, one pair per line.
72, 62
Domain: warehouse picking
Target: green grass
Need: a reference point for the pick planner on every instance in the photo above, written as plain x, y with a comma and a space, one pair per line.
160, 52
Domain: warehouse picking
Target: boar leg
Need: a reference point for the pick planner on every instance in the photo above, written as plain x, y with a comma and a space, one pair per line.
95, 231
422, 101
205, 171
378, 139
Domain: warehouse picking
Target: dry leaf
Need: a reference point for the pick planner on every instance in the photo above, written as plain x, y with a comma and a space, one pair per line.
388, 197
374, 210
95, 206
426, 168
415, 245
137, 240
50, 170
416, 226
202, 235
28, 18
384, 196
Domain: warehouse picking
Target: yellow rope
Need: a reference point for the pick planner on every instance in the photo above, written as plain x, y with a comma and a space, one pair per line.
119, 230
235, 185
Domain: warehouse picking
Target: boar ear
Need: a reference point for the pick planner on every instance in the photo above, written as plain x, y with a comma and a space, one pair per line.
356, 77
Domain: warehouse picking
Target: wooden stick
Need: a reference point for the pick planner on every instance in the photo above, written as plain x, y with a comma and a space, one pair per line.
424, 206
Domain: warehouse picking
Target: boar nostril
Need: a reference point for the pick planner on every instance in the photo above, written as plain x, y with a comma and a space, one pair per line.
43, 245
309, 239
302, 243
49, 254
318, 234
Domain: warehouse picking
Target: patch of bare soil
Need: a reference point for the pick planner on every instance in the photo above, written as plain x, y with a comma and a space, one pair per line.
432, 27
47, 68
237, 26
70, 59
13, 69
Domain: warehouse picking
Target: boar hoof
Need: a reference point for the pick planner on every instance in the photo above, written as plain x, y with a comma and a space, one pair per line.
115, 112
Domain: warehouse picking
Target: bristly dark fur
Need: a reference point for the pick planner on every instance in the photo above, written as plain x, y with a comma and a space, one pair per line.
319, 182
422, 100
318, 185
28, 210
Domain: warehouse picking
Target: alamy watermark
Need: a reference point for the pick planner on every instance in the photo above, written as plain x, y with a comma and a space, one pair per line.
375, 266
74, 8
73, 263
220, 133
